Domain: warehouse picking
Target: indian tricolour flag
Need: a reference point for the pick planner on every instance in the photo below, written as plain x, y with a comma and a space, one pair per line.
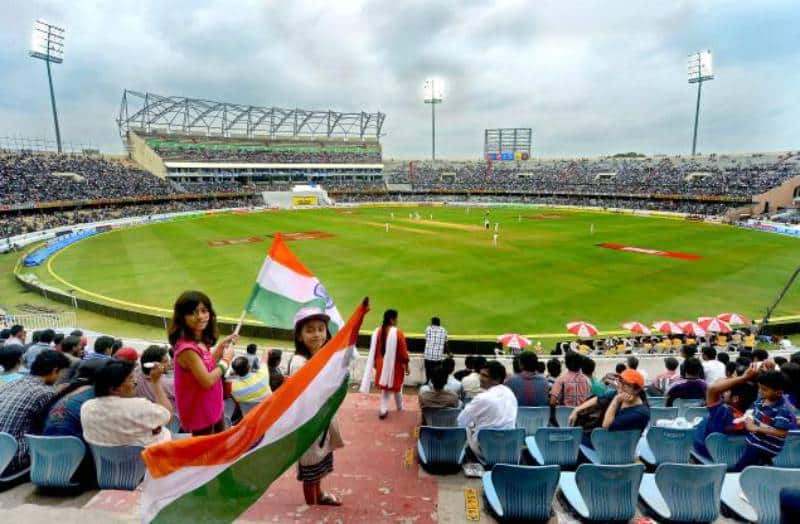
217, 477
284, 286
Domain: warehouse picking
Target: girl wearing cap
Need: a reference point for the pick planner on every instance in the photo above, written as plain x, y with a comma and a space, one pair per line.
200, 367
388, 354
310, 334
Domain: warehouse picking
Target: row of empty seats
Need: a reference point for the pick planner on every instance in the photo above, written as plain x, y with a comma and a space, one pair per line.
605, 493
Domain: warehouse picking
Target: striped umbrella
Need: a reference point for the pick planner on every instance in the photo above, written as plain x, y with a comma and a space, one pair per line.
692, 328
668, 327
582, 329
513, 340
637, 327
733, 318
715, 325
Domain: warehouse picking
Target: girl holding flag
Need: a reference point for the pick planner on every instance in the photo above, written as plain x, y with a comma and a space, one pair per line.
310, 334
200, 368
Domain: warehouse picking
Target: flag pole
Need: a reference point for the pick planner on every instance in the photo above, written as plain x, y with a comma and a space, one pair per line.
239, 324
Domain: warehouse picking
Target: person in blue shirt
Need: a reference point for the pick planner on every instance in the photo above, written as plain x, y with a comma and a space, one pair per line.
771, 421
726, 400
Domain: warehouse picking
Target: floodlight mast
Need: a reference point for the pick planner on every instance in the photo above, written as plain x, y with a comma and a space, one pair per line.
700, 70
433, 99
48, 45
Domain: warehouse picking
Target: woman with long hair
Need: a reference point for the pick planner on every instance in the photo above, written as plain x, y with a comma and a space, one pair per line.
310, 334
388, 354
199, 366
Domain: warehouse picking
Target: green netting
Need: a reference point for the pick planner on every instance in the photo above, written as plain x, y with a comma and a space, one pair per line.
288, 148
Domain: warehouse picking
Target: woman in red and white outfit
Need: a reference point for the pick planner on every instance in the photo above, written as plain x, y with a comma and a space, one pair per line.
388, 354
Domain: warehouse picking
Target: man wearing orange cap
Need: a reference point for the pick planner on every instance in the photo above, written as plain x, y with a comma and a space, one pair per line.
628, 410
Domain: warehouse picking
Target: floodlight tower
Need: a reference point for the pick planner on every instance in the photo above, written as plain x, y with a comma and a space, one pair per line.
47, 43
434, 94
699, 71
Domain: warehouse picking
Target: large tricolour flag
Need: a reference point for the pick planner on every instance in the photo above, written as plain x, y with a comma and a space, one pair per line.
284, 286
217, 477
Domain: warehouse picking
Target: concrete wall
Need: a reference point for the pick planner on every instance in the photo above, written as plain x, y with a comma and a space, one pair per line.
781, 196
145, 156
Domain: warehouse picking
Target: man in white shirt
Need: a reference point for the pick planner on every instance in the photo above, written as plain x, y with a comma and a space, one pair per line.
472, 382
495, 408
712, 368
17, 336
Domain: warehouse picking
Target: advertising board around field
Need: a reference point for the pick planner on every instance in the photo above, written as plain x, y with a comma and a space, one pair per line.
304, 201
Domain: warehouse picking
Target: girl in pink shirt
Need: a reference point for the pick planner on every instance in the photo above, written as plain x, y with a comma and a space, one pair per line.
199, 369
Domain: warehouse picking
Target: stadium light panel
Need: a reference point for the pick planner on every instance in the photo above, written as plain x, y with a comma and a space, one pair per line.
434, 90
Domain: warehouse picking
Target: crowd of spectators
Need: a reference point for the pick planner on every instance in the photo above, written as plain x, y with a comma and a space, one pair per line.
754, 396
45, 177
16, 224
189, 152
53, 384
712, 175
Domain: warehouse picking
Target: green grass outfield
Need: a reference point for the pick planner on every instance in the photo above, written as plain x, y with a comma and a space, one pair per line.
544, 272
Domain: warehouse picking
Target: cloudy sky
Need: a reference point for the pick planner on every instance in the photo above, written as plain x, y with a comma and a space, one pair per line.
590, 77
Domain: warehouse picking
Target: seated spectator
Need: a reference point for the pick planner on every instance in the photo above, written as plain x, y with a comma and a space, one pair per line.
460, 374
688, 352
472, 382
126, 353
102, 348
452, 385
771, 421
611, 380
248, 386
437, 396
144, 387
116, 417
713, 369
24, 403
691, 386
64, 417
530, 388
633, 363
71, 348
587, 368
494, 408
553, 371
622, 410
17, 336
4, 334
723, 357
726, 401
571, 388
664, 380
43, 343
252, 357
779, 362
57, 341
11, 360
274, 365
760, 356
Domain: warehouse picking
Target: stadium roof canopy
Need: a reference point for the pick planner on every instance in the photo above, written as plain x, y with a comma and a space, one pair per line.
150, 113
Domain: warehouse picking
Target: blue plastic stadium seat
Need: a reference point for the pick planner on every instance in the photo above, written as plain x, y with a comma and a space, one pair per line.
8, 450
722, 449
54, 460
685, 403
761, 487
118, 467
521, 493
612, 447
557, 446
789, 457
441, 446
656, 402
666, 445
684, 492
662, 413
562, 416
602, 493
441, 417
532, 418
500, 446
692, 413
